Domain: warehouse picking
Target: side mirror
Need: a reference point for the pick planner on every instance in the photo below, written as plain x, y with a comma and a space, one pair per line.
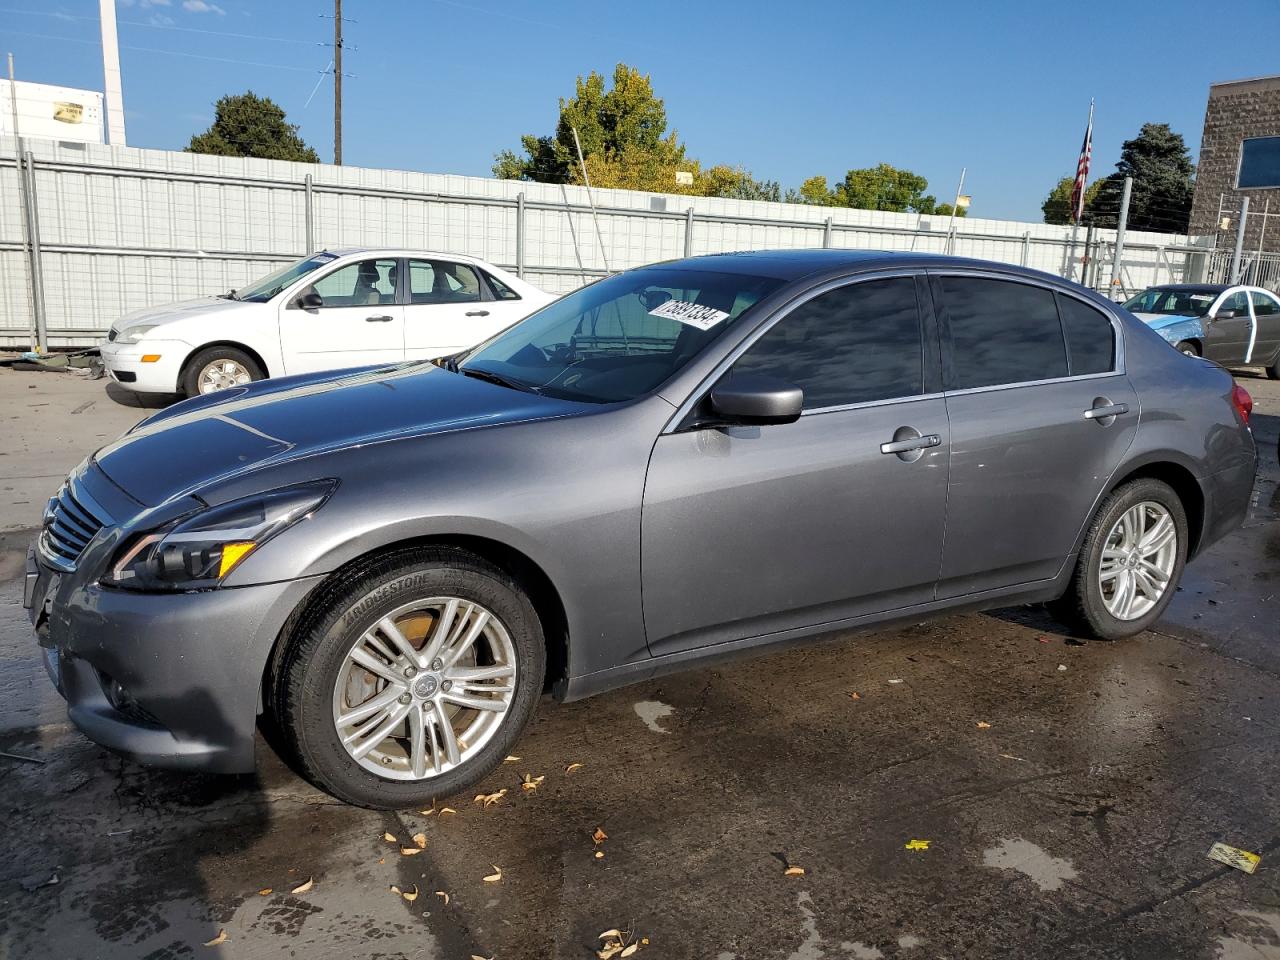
309, 301
1225, 314
755, 398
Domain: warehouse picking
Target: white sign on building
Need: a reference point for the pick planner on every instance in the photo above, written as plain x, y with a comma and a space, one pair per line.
53, 113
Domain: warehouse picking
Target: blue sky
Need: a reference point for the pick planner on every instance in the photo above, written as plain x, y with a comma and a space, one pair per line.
786, 90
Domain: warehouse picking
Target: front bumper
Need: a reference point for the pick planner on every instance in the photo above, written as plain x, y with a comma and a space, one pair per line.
169, 680
124, 363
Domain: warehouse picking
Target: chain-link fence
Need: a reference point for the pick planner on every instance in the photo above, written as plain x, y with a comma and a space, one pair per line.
91, 232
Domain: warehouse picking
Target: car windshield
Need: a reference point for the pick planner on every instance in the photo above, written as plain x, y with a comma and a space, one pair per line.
621, 337
1183, 303
263, 290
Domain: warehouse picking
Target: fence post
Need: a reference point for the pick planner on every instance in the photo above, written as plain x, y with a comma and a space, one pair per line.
688, 232
37, 265
826, 234
1235, 256
1088, 271
520, 234
1121, 225
1026, 247
310, 215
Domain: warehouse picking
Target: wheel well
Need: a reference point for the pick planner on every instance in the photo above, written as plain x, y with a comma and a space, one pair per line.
1184, 484
542, 594
1195, 342
253, 355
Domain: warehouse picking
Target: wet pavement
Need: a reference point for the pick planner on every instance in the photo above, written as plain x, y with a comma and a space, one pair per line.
996, 788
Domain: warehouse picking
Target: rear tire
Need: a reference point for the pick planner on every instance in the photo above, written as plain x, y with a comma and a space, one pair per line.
319, 680
219, 368
1096, 599
1187, 347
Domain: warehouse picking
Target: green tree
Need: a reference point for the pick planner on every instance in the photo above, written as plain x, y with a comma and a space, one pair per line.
247, 125
1057, 206
814, 191
944, 210
885, 187
1163, 182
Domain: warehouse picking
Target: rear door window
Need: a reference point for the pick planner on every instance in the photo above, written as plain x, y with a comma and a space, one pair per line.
1000, 332
442, 281
1091, 337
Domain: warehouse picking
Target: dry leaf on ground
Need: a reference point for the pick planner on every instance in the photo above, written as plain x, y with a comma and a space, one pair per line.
983, 725
443, 896
304, 887
510, 759
389, 837
489, 799
855, 695
410, 851
495, 876
530, 782
599, 836
572, 767
447, 811
220, 938
264, 892
793, 872
421, 840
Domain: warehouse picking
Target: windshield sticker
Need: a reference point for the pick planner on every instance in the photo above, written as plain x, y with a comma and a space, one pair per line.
1201, 297
694, 314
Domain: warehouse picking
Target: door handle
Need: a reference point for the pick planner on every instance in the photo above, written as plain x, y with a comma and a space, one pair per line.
1106, 410
913, 443
382, 319
477, 313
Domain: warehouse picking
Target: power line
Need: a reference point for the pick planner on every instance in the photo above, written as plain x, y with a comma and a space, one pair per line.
163, 26
172, 53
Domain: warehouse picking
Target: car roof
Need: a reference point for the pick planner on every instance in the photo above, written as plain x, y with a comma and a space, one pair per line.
1192, 287
794, 264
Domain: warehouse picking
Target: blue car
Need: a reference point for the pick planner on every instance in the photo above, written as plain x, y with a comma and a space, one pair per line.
1234, 325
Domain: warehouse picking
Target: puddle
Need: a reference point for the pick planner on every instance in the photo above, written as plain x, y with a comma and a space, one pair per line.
1046, 872
1260, 942
651, 711
810, 947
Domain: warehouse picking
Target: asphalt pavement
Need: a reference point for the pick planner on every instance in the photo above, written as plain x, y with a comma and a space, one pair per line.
977, 786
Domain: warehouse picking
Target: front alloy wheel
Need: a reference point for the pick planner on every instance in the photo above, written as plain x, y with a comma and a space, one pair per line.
425, 688
409, 677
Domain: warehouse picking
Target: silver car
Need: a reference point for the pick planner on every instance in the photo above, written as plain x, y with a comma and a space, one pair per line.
685, 462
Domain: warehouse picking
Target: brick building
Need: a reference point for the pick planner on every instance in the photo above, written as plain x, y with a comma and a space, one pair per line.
1237, 109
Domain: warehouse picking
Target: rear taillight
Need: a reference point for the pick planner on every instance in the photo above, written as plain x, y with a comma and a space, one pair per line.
1242, 402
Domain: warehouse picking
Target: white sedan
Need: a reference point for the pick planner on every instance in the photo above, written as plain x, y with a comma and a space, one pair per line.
341, 308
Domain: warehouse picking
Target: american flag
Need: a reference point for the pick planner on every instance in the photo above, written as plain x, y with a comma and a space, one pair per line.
1082, 171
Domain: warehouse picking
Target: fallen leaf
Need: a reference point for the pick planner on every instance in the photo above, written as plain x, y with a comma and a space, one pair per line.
610, 951
510, 759
443, 896
220, 938
446, 811
264, 892
855, 695
389, 837
1010, 756
628, 951
599, 836
421, 840
411, 895
489, 799
793, 872
918, 844
395, 889
304, 887
572, 767
645, 941
614, 934
382, 859
495, 876
531, 782
895, 681
410, 851
983, 725
599, 854
1062, 668
476, 956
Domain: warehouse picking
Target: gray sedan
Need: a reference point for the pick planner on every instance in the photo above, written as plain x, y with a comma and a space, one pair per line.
681, 463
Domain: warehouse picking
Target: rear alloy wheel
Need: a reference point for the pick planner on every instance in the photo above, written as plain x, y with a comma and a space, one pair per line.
412, 681
1188, 348
1131, 561
219, 368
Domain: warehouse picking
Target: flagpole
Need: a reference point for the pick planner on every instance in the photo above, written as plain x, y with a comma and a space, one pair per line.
952, 222
1088, 135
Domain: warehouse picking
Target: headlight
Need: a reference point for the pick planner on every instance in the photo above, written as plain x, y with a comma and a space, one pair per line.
134, 334
197, 551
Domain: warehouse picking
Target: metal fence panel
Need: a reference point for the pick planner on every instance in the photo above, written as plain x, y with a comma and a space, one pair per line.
121, 229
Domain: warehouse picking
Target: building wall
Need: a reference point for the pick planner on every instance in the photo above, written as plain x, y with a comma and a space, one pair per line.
122, 228
1236, 110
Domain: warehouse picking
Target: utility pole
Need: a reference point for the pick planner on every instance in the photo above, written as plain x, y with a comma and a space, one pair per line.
1122, 224
1235, 256
111, 73
951, 224
337, 82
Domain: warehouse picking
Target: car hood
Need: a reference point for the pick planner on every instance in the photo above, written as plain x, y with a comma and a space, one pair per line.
182, 310
1158, 321
211, 439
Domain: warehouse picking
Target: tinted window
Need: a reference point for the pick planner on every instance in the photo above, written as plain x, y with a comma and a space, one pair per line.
440, 281
1263, 306
500, 290
854, 344
358, 284
1002, 332
1237, 302
1091, 339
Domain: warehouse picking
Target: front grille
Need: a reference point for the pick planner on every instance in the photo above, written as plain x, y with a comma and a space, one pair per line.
72, 519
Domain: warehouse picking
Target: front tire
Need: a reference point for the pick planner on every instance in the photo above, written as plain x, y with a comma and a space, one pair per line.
411, 680
219, 368
1131, 561
1188, 348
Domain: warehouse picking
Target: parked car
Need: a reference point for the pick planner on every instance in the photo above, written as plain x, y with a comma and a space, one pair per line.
1236, 325
681, 463
339, 308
